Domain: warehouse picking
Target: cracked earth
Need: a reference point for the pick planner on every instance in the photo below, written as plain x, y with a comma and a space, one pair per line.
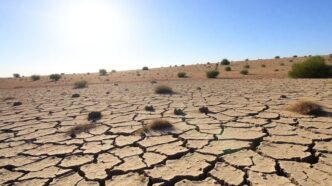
247, 138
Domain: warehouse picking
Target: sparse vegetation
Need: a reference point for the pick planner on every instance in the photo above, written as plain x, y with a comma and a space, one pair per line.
159, 125
203, 109
94, 116
182, 75
75, 95
17, 103
228, 68
149, 108
244, 72
276, 70
295, 56
225, 62
178, 112
246, 66
163, 89
113, 71
145, 68
35, 77
16, 75
263, 65
313, 67
212, 73
79, 129
277, 57
102, 72
306, 108
55, 77
282, 64
80, 84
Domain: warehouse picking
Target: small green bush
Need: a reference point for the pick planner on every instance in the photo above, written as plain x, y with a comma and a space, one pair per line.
244, 72
102, 72
145, 68
225, 62
277, 57
16, 75
80, 84
55, 77
247, 66
212, 73
35, 77
295, 56
113, 71
182, 75
313, 67
228, 68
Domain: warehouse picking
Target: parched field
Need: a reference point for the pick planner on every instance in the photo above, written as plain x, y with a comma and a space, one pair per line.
247, 138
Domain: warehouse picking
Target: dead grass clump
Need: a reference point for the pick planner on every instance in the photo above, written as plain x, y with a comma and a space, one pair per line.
159, 125
94, 116
179, 112
17, 103
75, 95
163, 89
204, 110
244, 72
149, 108
79, 129
306, 108
80, 84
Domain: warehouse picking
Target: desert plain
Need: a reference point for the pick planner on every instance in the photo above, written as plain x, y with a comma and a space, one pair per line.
248, 137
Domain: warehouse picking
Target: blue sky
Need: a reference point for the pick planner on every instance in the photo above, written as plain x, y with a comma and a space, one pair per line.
54, 36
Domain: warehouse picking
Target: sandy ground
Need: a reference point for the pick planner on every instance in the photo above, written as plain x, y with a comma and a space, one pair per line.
274, 68
247, 138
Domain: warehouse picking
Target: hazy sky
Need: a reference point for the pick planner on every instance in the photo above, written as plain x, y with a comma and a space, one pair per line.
54, 36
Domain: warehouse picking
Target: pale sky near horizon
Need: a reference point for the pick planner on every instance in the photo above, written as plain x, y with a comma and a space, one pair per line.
77, 36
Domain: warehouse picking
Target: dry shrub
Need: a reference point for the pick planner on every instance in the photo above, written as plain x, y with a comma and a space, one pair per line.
80, 84
149, 108
79, 129
306, 108
203, 109
179, 112
159, 125
94, 116
163, 89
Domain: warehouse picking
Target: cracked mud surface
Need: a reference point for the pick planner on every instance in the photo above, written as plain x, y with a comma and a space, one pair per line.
248, 138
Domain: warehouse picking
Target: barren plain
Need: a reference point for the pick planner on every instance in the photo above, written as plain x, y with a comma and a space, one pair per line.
248, 137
